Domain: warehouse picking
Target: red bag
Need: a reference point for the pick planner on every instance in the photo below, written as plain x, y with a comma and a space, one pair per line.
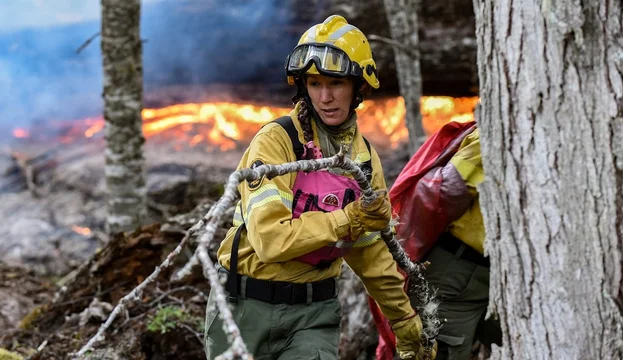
415, 179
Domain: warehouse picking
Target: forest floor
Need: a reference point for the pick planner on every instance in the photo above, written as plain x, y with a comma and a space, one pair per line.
50, 314
166, 323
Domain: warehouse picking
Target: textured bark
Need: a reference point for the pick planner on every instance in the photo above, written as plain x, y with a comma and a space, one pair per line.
551, 121
358, 335
123, 102
402, 16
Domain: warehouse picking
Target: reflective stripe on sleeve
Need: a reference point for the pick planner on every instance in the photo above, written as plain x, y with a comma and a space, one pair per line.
266, 194
237, 220
367, 238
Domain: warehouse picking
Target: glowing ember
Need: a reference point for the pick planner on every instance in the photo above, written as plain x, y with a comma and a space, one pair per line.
96, 125
81, 230
20, 133
225, 126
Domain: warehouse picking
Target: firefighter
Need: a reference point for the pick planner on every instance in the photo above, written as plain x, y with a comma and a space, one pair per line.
290, 233
436, 198
458, 269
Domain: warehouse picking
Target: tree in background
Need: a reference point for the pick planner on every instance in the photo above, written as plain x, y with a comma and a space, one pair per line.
123, 102
551, 124
402, 16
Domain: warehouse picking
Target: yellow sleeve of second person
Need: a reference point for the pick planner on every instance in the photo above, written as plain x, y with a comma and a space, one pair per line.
266, 206
468, 162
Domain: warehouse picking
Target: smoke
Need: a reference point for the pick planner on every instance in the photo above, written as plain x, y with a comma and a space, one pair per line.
215, 41
43, 79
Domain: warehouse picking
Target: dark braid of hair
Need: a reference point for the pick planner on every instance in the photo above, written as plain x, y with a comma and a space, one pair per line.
305, 120
304, 115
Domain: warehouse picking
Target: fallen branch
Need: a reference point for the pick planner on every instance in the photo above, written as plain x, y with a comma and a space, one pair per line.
135, 293
192, 331
40, 348
426, 303
181, 288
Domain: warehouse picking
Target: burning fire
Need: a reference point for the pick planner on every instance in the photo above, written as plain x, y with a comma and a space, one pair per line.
225, 126
81, 230
21, 133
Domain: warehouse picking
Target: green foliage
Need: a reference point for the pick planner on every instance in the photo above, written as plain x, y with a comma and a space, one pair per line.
28, 320
169, 317
7, 355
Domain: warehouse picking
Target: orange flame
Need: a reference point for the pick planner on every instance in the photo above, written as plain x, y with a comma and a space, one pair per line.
20, 133
96, 125
81, 230
225, 126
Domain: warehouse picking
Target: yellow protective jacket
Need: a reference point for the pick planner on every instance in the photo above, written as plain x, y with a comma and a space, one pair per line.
273, 239
468, 163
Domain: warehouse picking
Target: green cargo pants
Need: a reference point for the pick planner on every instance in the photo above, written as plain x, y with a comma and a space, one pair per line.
463, 287
278, 331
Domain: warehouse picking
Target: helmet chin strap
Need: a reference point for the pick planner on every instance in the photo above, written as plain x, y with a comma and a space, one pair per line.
357, 95
357, 99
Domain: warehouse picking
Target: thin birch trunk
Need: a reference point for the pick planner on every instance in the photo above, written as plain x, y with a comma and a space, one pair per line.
123, 101
402, 16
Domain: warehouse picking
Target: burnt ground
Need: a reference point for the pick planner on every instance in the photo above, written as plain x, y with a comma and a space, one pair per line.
58, 310
166, 323
57, 286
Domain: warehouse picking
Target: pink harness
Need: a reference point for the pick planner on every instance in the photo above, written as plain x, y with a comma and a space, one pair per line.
326, 192
316, 191
323, 191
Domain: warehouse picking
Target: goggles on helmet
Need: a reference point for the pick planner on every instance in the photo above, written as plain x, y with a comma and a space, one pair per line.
329, 61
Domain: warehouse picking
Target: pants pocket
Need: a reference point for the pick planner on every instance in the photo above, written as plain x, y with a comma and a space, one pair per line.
451, 340
325, 355
215, 342
452, 348
212, 312
449, 275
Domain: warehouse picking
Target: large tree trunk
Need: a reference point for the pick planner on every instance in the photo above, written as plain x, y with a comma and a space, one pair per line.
402, 16
123, 102
551, 121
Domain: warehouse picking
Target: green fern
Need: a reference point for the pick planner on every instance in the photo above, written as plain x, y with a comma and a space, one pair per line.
167, 318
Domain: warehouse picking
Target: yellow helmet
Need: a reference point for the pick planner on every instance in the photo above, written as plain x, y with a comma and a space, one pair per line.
333, 48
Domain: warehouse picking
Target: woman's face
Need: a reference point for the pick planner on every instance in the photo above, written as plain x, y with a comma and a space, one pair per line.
331, 97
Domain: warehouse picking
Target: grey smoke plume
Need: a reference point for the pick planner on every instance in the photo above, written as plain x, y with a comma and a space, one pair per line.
43, 79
